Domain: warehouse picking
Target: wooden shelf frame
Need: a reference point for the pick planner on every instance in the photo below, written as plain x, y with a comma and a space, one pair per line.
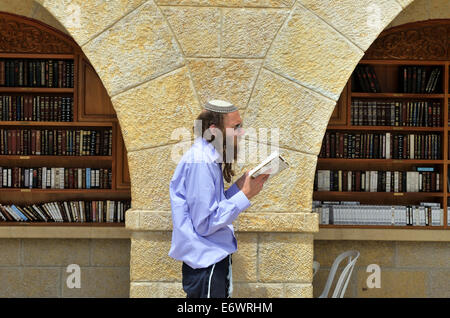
99, 115
387, 163
388, 52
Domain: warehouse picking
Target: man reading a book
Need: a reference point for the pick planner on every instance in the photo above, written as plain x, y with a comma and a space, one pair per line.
202, 211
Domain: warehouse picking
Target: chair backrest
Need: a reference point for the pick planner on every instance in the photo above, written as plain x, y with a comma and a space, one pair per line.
344, 278
316, 266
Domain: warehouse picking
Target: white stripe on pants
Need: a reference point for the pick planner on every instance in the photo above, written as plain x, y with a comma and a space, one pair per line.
209, 283
230, 278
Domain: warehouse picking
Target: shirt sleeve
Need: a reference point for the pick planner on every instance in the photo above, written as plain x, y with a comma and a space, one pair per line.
232, 191
207, 213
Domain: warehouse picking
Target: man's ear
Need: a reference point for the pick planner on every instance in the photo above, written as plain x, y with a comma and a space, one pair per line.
213, 129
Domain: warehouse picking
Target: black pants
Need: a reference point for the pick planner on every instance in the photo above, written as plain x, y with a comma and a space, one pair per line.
211, 282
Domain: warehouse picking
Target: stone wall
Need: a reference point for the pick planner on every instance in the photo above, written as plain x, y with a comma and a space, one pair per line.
266, 265
37, 267
408, 269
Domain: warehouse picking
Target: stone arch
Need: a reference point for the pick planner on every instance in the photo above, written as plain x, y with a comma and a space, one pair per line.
156, 60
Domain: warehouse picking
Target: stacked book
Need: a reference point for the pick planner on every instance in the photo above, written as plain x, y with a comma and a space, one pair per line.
36, 108
56, 178
67, 211
366, 79
396, 113
425, 179
354, 213
419, 79
36, 73
56, 142
448, 215
387, 145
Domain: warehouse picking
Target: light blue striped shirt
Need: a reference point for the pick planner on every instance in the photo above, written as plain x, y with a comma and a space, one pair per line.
202, 212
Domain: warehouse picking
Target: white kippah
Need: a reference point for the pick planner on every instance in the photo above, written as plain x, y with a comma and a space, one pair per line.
220, 106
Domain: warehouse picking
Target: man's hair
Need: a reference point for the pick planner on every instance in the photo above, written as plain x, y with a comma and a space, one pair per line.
207, 119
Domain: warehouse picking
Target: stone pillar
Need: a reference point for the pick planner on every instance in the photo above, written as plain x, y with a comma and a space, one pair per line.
275, 235
274, 258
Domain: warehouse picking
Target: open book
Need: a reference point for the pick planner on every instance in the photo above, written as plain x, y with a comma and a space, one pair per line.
272, 165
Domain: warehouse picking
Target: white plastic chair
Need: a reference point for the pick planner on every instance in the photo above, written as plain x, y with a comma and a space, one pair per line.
316, 267
344, 278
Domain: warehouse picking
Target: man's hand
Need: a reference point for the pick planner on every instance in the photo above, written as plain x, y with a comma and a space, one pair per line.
240, 181
252, 186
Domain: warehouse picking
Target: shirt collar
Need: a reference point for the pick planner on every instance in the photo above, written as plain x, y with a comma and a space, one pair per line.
208, 149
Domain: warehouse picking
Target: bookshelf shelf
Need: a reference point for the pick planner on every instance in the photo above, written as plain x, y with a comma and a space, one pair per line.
408, 227
397, 95
64, 191
387, 194
385, 60
361, 194
46, 55
35, 90
57, 82
36, 158
393, 83
386, 128
65, 124
99, 224
383, 161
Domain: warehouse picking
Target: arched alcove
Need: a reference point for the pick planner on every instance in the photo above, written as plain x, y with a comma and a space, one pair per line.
422, 44
31, 110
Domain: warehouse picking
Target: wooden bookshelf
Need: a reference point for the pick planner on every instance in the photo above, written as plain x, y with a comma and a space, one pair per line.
386, 55
92, 110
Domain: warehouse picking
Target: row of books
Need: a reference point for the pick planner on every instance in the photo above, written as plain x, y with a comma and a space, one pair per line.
378, 181
97, 211
419, 79
36, 73
396, 113
337, 144
56, 142
366, 79
55, 178
354, 213
36, 108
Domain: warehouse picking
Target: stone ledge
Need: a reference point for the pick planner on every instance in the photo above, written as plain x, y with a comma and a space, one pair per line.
71, 232
298, 222
383, 235
248, 222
